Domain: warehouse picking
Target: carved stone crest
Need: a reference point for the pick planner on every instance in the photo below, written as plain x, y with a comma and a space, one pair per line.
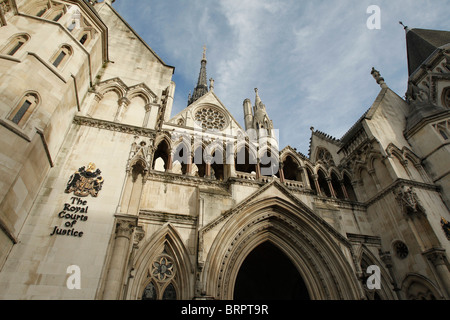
86, 181
408, 200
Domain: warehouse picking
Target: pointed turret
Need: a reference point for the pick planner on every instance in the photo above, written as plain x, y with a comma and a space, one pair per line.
421, 43
202, 86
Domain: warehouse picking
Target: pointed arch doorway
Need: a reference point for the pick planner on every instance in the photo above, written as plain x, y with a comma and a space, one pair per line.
268, 274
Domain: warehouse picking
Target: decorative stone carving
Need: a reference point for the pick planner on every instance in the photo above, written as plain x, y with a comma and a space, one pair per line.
86, 181
5, 6
124, 228
408, 200
163, 268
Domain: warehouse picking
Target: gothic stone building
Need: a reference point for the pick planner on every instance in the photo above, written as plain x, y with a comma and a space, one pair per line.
107, 195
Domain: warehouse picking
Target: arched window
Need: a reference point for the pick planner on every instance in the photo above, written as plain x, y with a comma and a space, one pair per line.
84, 38
349, 188
61, 57
58, 16
269, 164
446, 97
311, 180
180, 158
323, 184
72, 25
170, 293
199, 166
161, 157
291, 169
149, 292
162, 285
24, 108
336, 184
15, 44
245, 161
217, 171
41, 12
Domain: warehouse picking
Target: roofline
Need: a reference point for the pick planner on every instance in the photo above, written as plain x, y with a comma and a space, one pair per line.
139, 37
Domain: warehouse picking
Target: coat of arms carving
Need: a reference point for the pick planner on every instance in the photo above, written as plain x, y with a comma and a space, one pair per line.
86, 181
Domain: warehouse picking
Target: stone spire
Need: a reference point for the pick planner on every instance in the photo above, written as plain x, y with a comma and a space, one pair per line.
202, 85
260, 118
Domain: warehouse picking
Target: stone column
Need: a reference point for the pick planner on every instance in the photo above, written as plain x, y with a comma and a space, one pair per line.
281, 172
123, 103
119, 257
258, 170
189, 165
169, 162
148, 108
316, 183
344, 190
207, 160
437, 258
330, 186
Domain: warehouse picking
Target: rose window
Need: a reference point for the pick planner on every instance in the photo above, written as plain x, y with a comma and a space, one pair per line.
401, 249
210, 119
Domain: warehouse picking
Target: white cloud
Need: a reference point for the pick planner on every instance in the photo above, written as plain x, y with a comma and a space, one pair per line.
311, 60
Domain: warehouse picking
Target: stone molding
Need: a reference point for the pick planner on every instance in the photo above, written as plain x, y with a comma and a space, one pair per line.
114, 126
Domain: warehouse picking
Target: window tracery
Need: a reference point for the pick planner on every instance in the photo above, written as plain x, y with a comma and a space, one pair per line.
161, 285
325, 156
210, 118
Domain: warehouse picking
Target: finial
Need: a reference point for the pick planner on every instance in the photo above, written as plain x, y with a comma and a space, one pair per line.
257, 98
377, 76
204, 52
404, 27
211, 84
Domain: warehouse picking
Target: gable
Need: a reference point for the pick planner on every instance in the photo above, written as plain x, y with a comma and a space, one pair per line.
207, 113
274, 194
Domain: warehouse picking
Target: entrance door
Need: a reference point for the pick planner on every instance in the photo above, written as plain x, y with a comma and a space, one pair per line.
268, 274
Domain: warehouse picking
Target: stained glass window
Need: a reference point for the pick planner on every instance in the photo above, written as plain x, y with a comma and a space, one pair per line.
149, 292
170, 293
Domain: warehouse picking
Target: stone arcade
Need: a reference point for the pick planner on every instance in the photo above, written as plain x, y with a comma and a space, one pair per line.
192, 205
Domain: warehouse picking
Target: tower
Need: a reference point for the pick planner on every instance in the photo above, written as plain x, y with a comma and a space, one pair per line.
257, 118
202, 86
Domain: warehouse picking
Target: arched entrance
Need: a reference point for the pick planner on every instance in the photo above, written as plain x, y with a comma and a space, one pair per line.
315, 249
268, 274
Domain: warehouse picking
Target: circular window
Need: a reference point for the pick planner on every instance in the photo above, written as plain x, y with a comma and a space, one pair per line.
401, 250
211, 118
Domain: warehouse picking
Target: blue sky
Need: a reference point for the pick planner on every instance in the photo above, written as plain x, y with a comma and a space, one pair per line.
310, 60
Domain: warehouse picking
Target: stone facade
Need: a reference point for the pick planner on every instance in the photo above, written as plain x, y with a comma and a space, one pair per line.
96, 173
